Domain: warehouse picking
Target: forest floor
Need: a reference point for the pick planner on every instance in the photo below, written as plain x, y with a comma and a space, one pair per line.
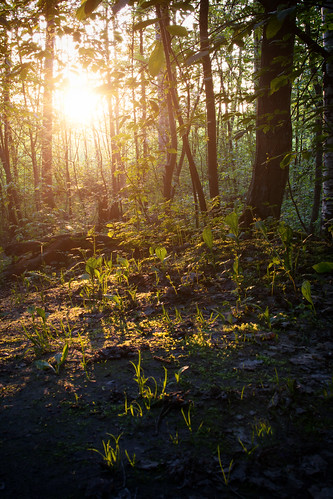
205, 371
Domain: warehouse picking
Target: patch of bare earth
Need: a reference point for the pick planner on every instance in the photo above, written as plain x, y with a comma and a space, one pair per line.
251, 415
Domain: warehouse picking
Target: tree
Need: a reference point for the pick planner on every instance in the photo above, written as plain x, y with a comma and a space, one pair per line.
327, 200
5, 134
273, 122
210, 100
47, 132
174, 101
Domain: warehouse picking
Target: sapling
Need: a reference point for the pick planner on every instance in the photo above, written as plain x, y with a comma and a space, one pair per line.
60, 359
111, 455
207, 236
226, 477
179, 372
306, 292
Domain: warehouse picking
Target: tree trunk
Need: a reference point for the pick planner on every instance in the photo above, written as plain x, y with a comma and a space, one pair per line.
274, 131
327, 201
318, 147
210, 101
175, 102
167, 132
47, 133
12, 196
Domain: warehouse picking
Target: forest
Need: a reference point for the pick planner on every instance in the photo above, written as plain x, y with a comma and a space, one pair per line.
166, 258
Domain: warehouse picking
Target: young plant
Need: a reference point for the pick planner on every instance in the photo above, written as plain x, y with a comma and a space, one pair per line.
247, 451
41, 335
207, 236
179, 372
84, 360
160, 253
187, 418
174, 438
60, 359
232, 221
266, 316
226, 477
306, 292
111, 455
131, 460
263, 429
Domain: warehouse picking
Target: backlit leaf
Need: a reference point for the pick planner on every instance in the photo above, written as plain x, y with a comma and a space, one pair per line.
306, 291
43, 364
207, 236
144, 24
86, 9
156, 59
177, 30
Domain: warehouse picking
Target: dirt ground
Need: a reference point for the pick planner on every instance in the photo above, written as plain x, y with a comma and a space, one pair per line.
249, 416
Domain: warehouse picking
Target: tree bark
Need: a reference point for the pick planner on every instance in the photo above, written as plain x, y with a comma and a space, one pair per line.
210, 101
175, 102
273, 122
12, 195
47, 133
327, 200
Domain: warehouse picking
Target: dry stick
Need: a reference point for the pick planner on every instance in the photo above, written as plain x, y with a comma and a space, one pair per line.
173, 92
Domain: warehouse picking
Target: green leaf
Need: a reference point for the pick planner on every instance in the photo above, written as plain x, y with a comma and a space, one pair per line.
177, 30
41, 313
278, 82
323, 267
43, 364
288, 158
182, 369
161, 253
306, 291
232, 222
273, 27
156, 59
64, 354
172, 150
207, 236
144, 24
86, 9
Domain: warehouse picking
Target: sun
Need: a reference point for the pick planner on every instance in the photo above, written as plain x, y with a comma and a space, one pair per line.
79, 103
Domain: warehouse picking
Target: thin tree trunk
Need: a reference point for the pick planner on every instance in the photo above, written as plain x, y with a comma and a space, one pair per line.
67, 142
12, 195
47, 133
210, 101
193, 170
319, 155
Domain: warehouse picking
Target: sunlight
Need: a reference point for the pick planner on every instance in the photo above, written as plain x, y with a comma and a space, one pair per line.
78, 101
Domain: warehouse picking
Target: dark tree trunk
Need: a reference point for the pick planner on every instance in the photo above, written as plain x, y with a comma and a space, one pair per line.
274, 131
210, 101
327, 202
